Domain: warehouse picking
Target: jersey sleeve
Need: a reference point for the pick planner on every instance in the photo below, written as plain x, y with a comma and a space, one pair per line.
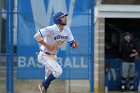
70, 37
44, 32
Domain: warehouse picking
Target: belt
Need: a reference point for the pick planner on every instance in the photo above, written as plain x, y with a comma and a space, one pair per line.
47, 52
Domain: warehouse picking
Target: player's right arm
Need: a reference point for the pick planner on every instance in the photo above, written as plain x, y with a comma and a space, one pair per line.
39, 37
41, 41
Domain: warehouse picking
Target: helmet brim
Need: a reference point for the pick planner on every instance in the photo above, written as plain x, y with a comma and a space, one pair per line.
64, 15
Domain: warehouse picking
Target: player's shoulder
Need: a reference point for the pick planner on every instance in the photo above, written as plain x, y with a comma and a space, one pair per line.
67, 28
49, 28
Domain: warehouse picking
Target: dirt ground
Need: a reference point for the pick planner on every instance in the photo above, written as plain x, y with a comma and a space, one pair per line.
57, 86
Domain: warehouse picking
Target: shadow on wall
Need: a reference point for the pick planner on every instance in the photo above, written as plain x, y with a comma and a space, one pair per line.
121, 2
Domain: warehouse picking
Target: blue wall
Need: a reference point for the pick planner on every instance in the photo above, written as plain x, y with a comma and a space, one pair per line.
34, 15
113, 77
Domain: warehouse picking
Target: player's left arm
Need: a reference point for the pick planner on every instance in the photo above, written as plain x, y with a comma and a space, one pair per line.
134, 51
74, 44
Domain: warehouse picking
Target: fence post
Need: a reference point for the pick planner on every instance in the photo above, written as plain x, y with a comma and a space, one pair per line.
0, 27
9, 47
92, 48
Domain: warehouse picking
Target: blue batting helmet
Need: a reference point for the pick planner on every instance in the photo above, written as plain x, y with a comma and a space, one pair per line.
57, 17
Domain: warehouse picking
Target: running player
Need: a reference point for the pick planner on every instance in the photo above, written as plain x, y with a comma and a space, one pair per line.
51, 38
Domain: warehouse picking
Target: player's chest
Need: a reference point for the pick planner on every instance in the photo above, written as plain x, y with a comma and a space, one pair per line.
59, 36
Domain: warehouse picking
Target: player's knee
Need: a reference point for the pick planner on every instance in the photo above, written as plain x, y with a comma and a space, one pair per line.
58, 73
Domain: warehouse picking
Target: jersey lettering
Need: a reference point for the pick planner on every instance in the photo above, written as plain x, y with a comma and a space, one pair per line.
60, 37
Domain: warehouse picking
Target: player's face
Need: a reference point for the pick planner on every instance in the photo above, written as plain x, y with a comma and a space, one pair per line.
63, 21
127, 37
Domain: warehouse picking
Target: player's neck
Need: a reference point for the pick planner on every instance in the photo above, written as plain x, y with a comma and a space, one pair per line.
61, 27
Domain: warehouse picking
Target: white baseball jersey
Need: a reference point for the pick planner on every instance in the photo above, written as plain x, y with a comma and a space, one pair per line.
53, 35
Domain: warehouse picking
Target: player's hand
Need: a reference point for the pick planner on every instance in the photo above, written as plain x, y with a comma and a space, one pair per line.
134, 50
75, 44
132, 55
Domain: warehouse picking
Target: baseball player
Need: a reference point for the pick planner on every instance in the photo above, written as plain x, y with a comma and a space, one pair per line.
129, 53
51, 38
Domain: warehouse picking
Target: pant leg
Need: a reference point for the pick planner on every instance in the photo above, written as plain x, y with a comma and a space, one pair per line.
50, 64
132, 70
131, 73
125, 69
47, 71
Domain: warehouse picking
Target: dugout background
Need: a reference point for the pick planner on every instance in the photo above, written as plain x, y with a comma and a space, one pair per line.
19, 70
114, 30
